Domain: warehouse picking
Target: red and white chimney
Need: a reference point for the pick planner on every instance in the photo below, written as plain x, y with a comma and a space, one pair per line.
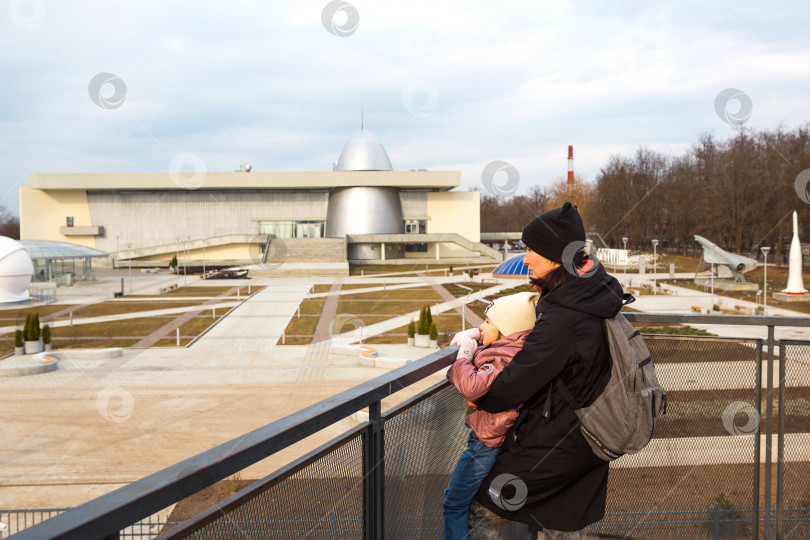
570, 164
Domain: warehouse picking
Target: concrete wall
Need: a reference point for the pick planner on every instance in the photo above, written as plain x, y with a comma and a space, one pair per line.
456, 212
42, 213
155, 218
281, 250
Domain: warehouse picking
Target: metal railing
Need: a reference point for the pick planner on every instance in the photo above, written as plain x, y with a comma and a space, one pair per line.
386, 476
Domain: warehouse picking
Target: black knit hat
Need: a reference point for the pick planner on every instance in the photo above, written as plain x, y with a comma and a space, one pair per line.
550, 233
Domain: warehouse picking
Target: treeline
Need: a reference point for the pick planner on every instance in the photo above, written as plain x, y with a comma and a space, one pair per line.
739, 193
9, 224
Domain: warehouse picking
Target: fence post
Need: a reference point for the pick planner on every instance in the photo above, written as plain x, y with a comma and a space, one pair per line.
758, 384
780, 442
373, 474
768, 431
716, 520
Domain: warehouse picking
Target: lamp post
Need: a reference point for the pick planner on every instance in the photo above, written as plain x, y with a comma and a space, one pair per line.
655, 263
765, 251
129, 260
624, 241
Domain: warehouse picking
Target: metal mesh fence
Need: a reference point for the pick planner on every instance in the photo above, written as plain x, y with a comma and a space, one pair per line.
14, 521
796, 468
697, 476
422, 445
322, 500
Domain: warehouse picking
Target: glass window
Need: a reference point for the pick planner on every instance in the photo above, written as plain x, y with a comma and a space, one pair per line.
280, 229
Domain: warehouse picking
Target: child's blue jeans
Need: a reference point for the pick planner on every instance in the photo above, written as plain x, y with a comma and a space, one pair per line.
472, 467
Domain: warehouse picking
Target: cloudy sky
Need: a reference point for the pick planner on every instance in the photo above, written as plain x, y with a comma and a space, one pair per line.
446, 85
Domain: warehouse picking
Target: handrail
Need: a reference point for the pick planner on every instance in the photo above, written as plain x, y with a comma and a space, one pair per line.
105, 516
729, 320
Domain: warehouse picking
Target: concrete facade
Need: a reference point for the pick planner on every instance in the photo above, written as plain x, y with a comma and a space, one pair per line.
144, 218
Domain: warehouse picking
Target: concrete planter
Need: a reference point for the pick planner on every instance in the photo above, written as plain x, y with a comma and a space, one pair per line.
32, 347
19, 351
422, 340
410, 341
49, 346
434, 343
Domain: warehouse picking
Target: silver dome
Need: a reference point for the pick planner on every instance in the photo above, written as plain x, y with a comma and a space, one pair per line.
364, 152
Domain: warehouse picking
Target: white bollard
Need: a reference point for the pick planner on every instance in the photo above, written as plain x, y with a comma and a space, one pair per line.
213, 313
383, 284
71, 318
282, 337
237, 293
248, 289
299, 311
178, 336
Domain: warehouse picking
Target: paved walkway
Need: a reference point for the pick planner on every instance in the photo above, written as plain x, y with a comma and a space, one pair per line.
257, 323
325, 323
166, 329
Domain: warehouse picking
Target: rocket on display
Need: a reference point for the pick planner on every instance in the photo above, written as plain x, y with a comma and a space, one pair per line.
795, 284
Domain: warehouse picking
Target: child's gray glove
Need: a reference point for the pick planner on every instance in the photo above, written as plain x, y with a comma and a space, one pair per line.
466, 347
472, 333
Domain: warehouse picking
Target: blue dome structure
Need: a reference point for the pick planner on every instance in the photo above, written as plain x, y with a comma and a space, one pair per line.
512, 268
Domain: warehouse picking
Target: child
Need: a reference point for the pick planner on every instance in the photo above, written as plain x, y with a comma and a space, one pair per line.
509, 320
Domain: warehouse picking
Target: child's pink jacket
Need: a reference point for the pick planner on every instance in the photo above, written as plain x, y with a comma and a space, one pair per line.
473, 379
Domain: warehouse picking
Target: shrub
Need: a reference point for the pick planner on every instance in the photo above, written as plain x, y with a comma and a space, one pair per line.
173, 262
434, 332
27, 328
423, 326
724, 520
35, 332
470, 273
46, 334
411, 329
716, 307
429, 316
18, 338
451, 269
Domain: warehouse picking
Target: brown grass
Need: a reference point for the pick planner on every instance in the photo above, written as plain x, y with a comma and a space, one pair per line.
313, 306
321, 288
10, 316
426, 294
381, 308
370, 269
457, 291
302, 325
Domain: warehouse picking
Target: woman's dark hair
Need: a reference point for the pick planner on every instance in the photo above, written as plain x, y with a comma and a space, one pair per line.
553, 280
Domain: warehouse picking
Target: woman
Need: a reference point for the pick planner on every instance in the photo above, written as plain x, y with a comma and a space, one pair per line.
546, 474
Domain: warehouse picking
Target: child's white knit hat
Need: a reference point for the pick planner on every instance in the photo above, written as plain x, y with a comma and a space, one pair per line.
513, 313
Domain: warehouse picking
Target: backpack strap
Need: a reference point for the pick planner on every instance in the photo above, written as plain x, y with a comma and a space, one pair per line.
569, 397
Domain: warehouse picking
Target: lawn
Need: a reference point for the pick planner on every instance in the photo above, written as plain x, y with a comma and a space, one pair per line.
426, 294
455, 290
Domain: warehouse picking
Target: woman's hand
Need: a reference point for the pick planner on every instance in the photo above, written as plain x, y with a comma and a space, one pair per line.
472, 333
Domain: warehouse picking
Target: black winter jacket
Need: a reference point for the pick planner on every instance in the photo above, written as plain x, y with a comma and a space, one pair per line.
546, 474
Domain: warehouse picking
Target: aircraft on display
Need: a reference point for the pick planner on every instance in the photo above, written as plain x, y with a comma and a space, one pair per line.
738, 264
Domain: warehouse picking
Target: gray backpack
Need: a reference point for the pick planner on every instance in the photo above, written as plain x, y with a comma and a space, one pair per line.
622, 419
